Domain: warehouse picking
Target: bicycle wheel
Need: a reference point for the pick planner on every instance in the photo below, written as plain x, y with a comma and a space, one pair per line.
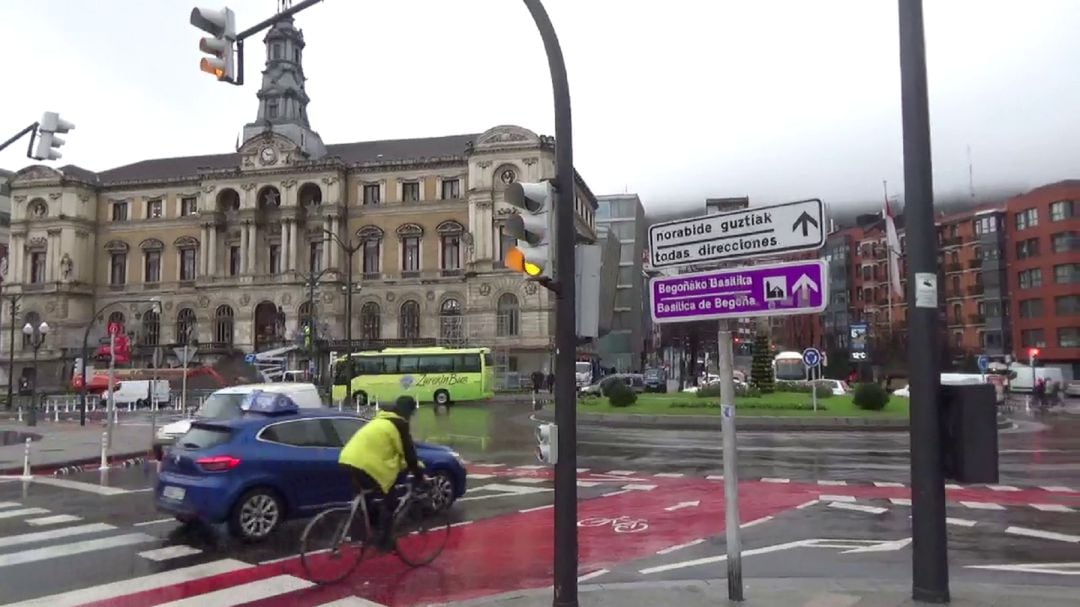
329, 551
420, 534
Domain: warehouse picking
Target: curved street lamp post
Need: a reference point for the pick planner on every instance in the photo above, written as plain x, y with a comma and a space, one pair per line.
36, 336
311, 280
350, 249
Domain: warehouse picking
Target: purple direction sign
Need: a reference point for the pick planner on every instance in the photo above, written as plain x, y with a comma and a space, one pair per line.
799, 287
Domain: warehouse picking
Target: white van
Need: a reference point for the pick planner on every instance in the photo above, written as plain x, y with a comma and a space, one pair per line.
1055, 381
225, 404
137, 392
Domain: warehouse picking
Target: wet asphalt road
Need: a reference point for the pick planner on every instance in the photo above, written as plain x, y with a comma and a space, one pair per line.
507, 543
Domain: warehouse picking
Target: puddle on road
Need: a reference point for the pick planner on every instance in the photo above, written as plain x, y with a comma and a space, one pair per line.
11, 437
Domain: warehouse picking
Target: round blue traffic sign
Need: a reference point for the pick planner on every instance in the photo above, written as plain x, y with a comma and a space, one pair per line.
250, 358
811, 357
984, 363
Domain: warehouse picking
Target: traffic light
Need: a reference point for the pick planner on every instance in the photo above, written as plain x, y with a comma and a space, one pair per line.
1032, 354
534, 229
547, 443
50, 125
221, 25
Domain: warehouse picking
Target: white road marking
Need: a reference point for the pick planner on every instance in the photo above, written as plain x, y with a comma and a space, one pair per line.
588, 484
488, 465
112, 590
1052, 507
887, 484
960, 522
157, 522
9, 504
251, 591
756, 521
858, 507
594, 574
611, 493
639, 487
582, 470
53, 520
836, 498
953, 486
481, 476
622, 472
682, 505
833, 483
669, 475
1057, 489
671, 549
80, 486
22, 512
1046, 535
529, 467
1002, 488
52, 534
352, 601
1055, 568
807, 504
529, 480
900, 501
64, 550
169, 552
461, 524
723, 557
982, 505
714, 477
537, 508
776, 480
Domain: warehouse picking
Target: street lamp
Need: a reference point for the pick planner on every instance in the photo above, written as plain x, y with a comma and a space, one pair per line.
311, 280
155, 301
14, 299
350, 249
37, 339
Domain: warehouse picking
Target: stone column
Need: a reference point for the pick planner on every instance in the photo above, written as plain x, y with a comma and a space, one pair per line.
294, 245
204, 257
244, 248
17, 266
329, 244
212, 263
53, 255
335, 251
253, 247
284, 246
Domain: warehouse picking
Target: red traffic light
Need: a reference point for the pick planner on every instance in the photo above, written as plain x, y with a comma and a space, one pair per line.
1033, 351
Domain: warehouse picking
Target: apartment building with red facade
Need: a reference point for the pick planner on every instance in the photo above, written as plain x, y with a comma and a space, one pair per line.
1044, 274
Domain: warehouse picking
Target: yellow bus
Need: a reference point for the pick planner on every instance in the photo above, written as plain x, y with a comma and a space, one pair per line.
434, 375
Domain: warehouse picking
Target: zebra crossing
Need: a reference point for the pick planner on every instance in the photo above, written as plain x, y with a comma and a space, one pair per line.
35, 540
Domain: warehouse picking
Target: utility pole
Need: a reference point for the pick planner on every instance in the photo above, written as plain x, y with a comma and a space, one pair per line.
14, 299
930, 566
726, 362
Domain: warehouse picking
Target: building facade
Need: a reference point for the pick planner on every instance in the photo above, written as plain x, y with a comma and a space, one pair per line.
241, 250
1044, 274
624, 216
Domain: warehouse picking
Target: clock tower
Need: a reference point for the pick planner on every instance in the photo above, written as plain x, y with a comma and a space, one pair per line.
282, 98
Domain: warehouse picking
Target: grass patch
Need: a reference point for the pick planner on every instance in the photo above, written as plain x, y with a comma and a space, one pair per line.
787, 404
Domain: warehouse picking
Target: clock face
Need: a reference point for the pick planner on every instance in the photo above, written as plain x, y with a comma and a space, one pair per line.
268, 155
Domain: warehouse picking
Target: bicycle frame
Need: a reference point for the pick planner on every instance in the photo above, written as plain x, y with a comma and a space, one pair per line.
359, 503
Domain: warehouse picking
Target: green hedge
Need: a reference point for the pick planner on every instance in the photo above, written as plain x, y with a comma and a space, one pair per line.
764, 404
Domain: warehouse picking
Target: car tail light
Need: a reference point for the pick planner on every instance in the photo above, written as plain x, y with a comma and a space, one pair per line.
218, 463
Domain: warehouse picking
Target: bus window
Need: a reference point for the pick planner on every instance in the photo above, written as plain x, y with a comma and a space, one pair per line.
408, 364
389, 364
436, 364
467, 363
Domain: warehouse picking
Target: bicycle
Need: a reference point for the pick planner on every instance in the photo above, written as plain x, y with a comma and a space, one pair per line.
416, 521
622, 524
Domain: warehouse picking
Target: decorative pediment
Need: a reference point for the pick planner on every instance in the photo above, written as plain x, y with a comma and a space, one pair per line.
37, 172
117, 246
152, 244
369, 232
507, 133
407, 230
450, 227
186, 242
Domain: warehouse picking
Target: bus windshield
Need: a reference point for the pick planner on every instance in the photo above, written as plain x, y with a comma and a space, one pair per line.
790, 369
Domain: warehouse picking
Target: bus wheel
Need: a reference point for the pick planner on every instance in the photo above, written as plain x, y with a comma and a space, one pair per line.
442, 398
360, 398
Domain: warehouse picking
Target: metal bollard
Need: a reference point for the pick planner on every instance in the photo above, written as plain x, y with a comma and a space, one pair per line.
115, 414
26, 461
56, 413
20, 414
104, 451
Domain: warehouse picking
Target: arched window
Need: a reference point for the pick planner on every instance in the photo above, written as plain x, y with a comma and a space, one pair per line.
508, 316
958, 313
151, 322
116, 317
371, 258
310, 195
410, 235
34, 320
152, 249
409, 320
118, 253
228, 200
450, 321
223, 325
450, 233
370, 321
269, 198
186, 326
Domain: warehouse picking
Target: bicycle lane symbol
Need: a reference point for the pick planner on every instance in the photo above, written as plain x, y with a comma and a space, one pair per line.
620, 524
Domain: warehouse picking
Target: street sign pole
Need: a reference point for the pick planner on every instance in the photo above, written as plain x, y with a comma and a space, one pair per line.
726, 363
110, 404
930, 566
811, 358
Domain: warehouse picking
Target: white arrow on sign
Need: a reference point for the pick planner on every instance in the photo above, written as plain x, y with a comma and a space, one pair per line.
502, 491
1053, 568
682, 505
805, 282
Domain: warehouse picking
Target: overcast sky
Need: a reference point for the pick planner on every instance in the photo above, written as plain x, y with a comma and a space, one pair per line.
676, 100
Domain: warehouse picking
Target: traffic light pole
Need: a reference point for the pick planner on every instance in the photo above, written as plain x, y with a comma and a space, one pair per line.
566, 546
930, 567
32, 129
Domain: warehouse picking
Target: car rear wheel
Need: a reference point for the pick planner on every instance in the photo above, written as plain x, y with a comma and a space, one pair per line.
442, 491
257, 513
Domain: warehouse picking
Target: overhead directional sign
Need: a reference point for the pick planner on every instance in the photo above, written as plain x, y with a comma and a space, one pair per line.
770, 290
752, 232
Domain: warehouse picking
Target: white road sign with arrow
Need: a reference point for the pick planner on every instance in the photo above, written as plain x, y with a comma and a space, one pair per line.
753, 232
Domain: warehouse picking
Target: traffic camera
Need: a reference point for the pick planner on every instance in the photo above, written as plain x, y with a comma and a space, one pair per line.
50, 125
534, 229
221, 25
547, 443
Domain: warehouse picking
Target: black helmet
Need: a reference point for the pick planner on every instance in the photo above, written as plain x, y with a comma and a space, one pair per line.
405, 406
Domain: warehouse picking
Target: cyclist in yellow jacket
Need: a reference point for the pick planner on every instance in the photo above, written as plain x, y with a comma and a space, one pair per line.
377, 455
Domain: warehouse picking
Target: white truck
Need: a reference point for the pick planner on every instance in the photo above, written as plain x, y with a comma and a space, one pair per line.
137, 392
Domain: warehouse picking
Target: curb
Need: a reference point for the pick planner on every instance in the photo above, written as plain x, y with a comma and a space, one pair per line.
120, 460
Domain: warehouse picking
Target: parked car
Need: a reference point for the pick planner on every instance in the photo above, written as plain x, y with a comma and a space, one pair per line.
271, 465
636, 381
225, 404
839, 387
655, 380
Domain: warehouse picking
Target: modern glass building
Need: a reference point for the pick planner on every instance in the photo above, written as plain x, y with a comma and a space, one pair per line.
624, 216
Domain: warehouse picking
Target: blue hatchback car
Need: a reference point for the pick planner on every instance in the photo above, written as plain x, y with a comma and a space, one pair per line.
257, 471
